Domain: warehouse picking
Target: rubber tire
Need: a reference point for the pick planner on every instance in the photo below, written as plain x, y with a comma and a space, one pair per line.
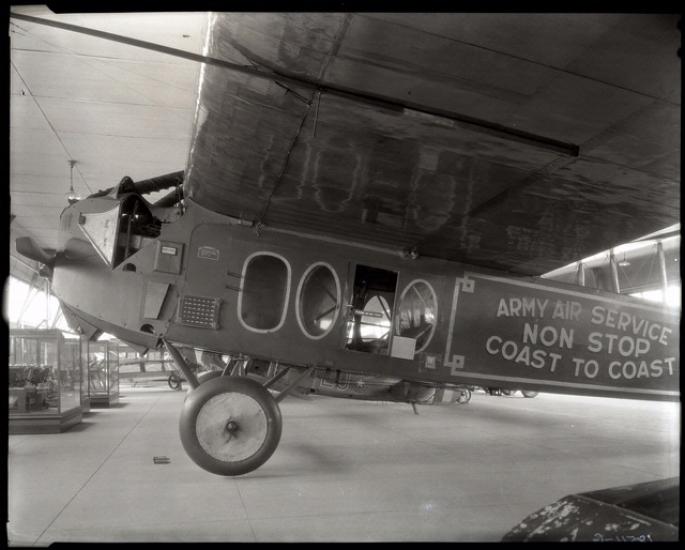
202, 378
175, 382
207, 375
192, 406
529, 394
508, 392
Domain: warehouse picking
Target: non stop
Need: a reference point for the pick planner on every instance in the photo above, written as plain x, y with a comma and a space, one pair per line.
627, 346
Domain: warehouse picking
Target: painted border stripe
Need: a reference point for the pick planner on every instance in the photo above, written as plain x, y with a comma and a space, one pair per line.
585, 295
453, 316
565, 384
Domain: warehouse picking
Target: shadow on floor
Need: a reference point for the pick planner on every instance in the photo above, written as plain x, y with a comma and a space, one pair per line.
117, 405
81, 426
303, 460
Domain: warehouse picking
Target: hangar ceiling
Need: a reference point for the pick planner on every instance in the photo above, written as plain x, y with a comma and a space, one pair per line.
116, 110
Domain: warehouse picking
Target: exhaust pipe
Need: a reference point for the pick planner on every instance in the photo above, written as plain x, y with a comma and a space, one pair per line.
143, 187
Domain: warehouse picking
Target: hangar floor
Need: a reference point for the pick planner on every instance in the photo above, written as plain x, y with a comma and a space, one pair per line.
344, 470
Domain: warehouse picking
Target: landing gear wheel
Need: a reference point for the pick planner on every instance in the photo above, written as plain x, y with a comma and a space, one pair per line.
464, 396
508, 392
230, 425
175, 382
202, 378
529, 393
207, 375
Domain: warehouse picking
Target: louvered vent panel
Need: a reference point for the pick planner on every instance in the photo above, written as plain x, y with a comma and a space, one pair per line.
199, 311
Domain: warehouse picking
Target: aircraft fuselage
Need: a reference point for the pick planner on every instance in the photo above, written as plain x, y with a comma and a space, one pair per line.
216, 283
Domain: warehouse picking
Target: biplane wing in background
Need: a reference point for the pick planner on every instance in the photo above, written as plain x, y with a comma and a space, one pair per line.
372, 195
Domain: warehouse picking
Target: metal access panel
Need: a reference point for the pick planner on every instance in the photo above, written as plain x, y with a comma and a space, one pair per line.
155, 293
168, 257
199, 311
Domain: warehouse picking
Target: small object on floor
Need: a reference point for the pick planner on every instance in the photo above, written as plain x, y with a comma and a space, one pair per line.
161, 459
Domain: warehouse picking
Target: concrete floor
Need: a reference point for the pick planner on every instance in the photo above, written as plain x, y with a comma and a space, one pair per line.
344, 470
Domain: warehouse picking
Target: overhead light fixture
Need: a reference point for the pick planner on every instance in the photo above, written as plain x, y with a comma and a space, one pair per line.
624, 262
72, 197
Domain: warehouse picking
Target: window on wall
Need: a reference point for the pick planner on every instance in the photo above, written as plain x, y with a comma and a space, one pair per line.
264, 296
671, 299
319, 301
27, 308
417, 313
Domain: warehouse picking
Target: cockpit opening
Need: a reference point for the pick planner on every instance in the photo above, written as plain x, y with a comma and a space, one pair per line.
137, 228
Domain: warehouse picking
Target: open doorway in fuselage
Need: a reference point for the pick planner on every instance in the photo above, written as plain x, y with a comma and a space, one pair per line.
370, 321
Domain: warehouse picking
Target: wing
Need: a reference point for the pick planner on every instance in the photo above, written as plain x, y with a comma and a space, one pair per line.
517, 141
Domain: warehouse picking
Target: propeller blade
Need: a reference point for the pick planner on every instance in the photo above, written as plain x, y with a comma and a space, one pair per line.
27, 247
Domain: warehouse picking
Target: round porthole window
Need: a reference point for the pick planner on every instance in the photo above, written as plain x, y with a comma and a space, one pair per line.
417, 313
318, 301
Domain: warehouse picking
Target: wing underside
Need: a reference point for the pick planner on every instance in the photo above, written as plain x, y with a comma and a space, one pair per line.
404, 130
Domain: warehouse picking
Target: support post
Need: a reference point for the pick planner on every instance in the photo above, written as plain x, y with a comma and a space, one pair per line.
30, 295
181, 364
240, 367
614, 272
662, 269
580, 274
47, 303
276, 377
272, 370
58, 315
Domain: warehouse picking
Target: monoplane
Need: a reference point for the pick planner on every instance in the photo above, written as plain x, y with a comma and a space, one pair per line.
368, 203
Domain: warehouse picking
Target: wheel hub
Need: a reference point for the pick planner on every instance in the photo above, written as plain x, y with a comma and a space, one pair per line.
226, 416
